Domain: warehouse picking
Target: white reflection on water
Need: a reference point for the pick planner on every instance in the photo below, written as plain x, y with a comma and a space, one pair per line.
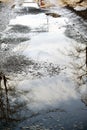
48, 92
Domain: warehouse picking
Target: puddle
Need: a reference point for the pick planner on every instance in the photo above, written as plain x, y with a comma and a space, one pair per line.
39, 65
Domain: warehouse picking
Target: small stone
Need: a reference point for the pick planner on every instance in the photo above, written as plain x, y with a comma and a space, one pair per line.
62, 128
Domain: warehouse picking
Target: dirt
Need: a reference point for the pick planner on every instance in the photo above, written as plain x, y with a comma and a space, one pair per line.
74, 3
82, 13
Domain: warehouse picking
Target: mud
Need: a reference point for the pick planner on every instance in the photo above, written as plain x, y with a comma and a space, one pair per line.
19, 64
30, 10
13, 40
19, 29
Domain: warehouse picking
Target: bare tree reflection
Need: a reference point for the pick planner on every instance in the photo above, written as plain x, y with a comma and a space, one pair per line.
4, 103
9, 111
79, 64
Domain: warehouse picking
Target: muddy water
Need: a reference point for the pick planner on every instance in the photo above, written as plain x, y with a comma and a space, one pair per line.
37, 54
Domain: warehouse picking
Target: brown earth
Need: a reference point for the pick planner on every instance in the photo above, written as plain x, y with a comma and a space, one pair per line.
73, 3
